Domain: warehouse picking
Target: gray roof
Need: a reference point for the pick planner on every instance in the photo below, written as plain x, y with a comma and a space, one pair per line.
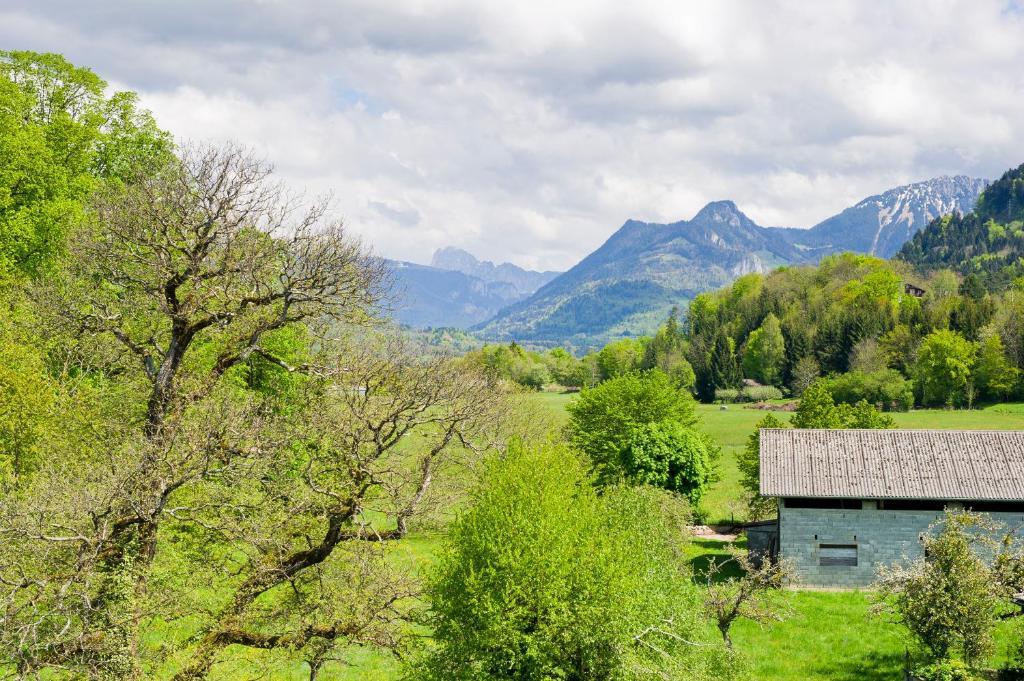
899, 464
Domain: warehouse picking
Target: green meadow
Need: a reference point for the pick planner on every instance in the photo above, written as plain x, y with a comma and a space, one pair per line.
826, 636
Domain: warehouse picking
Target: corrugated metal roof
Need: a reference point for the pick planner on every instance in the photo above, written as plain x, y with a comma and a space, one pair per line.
899, 464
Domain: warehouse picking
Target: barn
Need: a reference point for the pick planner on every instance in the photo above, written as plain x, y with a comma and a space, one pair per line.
851, 501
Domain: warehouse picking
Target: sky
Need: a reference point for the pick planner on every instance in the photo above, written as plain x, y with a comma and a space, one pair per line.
530, 131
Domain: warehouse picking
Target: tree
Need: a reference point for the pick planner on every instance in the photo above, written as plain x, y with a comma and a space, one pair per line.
673, 457
725, 372
620, 357
943, 368
542, 577
748, 596
748, 460
948, 599
817, 409
603, 420
666, 351
995, 376
805, 372
60, 137
192, 269
765, 352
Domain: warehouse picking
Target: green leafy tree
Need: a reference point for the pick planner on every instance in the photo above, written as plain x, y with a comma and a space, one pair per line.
943, 368
817, 409
60, 136
949, 599
749, 462
544, 578
672, 456
994, 374
765, 353
604, 419
620, 357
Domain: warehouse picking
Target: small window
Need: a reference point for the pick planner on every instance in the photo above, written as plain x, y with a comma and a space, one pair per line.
822, 502
837, 554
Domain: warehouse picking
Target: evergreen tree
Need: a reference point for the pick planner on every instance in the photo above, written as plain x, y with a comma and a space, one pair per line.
725, 371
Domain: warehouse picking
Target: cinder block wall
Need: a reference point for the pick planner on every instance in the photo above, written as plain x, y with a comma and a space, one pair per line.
881, 537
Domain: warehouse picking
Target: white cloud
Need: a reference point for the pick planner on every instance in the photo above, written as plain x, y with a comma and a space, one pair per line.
530, 131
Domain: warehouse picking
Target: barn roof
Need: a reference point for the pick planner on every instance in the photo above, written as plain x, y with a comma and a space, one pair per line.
898, 464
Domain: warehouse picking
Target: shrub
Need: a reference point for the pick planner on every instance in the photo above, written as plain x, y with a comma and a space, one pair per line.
543, 577
761, 393
950, 670
886, 388
727, 395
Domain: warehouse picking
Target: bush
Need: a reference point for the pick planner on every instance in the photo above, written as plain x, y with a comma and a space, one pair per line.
543, 577
727, 395
950, 670
760, 393
886, 388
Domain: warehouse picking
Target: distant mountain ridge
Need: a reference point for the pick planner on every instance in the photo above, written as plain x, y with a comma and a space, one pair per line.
457, 290
459, 260
628, 285
881, 224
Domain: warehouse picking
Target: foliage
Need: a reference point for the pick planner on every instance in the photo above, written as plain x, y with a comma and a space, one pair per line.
604, 419
947, 670
754, 393
943, 368
886, 388
817, 409
749, 462
673, 457
804, 372
543, 578
60, 138
620, 357
996, 378
948, 599
765, 352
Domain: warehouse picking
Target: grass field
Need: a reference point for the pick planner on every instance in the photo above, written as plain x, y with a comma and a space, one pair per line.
828, 636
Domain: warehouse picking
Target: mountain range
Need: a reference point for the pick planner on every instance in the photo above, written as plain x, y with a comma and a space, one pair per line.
457, 290
628, 285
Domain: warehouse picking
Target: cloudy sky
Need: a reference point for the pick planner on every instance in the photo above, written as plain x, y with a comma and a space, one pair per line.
529, 131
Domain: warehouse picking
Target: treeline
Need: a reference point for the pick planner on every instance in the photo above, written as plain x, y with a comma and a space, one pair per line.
559, 368
853, 319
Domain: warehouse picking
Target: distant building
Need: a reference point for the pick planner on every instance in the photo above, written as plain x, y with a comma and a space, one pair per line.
851, 501
912, 290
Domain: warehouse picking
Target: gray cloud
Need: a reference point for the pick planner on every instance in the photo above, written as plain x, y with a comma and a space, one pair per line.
530, 131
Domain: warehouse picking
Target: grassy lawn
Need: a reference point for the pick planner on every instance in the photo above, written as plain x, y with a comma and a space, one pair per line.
827, 635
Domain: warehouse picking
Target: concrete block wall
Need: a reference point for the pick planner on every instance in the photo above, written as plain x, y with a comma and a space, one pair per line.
881, 537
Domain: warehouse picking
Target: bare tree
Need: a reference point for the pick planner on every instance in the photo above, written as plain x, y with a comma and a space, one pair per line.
365, 457
748, 595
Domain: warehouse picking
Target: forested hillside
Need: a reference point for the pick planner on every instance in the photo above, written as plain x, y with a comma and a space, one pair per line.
628, 285
987, 242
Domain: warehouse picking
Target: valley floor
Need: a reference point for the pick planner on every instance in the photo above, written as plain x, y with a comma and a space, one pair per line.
827, 636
